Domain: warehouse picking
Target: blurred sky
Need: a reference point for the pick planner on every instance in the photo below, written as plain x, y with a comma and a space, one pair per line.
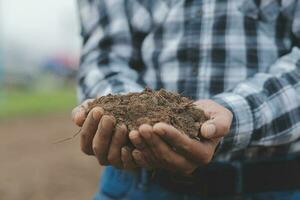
32, 30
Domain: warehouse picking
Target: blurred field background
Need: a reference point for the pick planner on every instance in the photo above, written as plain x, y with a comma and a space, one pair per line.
39, 53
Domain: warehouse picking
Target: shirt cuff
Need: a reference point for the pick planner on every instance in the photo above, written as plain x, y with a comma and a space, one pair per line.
241, 129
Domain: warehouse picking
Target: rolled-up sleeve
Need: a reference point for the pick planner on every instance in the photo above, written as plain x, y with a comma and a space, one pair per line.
107, 50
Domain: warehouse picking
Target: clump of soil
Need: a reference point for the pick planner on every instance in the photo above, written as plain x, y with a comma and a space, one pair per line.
150, 107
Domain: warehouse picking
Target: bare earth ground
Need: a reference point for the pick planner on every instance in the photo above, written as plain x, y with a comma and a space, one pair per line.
33, 168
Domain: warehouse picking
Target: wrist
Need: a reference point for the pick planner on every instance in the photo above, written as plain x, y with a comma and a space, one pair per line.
242, 123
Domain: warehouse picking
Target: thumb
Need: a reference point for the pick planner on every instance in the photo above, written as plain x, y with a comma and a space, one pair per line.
217, 127
79, 113
208, 129
78, 116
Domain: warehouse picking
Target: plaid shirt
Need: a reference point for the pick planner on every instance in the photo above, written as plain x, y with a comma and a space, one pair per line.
243, 54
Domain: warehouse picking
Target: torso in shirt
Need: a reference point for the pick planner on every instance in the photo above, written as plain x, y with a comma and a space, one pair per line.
204, 47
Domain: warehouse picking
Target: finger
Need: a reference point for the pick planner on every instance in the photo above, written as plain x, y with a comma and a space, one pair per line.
78, 116
200, 152
220, 119
173, 136
218, 126
167, 157
140, 159
89, 129
79, 113
137, 140
127, 159
141, 145
119, 139
102, 139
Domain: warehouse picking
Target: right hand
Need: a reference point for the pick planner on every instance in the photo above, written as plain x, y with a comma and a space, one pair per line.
102, 137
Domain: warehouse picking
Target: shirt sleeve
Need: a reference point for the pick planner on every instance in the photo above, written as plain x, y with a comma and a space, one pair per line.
108, 49
266, 107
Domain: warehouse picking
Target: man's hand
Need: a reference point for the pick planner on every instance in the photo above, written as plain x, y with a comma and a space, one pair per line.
153, 152
100, 136
219, 122
163, 146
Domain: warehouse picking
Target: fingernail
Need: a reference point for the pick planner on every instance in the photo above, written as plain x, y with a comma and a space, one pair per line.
96, 113
209, 130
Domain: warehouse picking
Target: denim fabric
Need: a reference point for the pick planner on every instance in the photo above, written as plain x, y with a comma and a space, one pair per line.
123, 185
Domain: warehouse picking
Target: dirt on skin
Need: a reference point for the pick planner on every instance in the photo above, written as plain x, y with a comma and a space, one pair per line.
150, 107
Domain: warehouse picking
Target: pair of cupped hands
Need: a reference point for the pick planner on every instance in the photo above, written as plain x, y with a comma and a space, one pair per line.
160, 146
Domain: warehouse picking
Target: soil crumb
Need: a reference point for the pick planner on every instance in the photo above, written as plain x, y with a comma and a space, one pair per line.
150, 107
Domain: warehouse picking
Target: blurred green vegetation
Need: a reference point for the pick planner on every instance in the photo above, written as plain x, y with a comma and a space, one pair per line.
15, 103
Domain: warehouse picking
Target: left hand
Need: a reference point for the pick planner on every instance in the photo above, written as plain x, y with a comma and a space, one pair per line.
101, 137
164, 147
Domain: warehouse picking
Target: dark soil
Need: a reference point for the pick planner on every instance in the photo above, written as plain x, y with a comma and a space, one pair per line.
150, 107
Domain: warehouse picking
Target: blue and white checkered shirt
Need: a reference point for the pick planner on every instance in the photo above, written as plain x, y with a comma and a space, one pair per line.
242, 53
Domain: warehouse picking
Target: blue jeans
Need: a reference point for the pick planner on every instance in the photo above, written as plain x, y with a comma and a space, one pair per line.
124, 185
